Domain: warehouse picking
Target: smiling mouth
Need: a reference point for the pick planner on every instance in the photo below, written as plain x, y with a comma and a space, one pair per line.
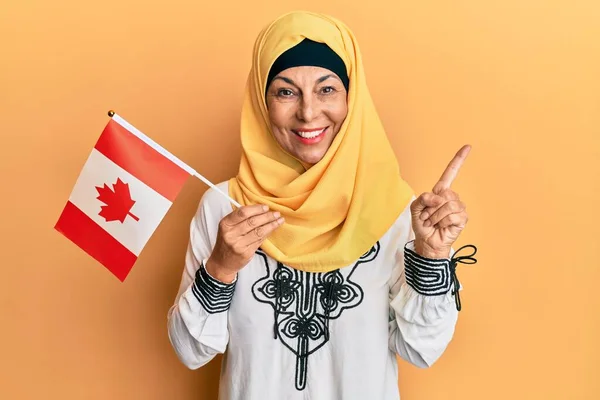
310, 133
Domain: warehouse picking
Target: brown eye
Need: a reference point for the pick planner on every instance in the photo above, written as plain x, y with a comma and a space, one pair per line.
284, 92
328, 90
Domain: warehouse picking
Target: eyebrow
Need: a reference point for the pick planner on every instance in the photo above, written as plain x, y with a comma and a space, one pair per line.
291, 82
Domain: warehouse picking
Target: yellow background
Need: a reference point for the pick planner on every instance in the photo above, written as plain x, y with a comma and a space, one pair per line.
518, 80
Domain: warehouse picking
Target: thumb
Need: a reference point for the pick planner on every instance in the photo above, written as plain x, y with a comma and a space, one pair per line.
426, 200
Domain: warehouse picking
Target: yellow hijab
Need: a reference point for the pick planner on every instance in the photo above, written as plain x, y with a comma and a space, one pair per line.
337, 209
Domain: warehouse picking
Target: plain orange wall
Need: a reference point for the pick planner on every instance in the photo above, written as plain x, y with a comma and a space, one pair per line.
519, 80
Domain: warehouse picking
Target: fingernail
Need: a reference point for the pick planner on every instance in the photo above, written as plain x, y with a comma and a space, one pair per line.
276, 214
424, 216
265, 208
427, 224
280, 221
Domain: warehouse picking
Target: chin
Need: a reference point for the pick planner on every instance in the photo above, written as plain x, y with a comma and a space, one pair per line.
311, 159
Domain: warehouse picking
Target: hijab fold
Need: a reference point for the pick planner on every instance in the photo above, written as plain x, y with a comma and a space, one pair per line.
337, 209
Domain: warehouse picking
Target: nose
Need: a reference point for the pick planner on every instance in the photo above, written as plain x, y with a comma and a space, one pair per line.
308, 108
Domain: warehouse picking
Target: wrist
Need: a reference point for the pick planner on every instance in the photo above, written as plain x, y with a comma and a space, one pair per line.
217, 273
426, 251
429, 272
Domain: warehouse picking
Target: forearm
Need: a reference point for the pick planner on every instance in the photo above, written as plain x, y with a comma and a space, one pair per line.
198, 327
423, 313
422, 326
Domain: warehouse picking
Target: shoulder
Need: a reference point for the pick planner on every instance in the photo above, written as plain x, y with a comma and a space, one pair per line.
214, 199
213, 205
405, 216
204, 226
402, 226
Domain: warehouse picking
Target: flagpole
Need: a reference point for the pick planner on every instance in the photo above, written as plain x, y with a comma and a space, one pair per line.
203, 179
195, 173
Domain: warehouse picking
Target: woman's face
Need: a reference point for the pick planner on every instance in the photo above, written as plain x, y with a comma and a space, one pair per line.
307, 106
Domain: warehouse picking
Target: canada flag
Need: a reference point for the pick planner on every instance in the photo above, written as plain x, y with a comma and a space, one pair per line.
123, 192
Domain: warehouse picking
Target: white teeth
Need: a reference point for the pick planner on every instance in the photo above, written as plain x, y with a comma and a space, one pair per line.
310, 135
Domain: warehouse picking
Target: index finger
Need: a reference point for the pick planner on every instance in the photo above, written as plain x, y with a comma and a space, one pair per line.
452, 169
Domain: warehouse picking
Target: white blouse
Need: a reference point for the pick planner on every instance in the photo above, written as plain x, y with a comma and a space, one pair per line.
289, 334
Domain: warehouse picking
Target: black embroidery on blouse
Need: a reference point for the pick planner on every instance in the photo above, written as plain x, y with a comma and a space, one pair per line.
304, 303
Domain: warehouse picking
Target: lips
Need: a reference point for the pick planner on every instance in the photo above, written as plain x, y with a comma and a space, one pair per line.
309, 133
310, 136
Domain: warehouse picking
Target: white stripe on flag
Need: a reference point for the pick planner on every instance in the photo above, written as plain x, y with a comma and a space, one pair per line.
150, 207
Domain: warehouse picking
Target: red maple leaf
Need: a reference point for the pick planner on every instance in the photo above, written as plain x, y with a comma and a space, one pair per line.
118, 202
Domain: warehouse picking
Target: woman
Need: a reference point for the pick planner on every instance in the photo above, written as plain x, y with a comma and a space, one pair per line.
331, 266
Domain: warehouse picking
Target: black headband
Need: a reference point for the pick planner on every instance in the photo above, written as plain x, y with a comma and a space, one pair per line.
310, 53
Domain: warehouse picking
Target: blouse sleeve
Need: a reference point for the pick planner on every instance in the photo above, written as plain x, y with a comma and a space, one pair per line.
424, 304
197, 321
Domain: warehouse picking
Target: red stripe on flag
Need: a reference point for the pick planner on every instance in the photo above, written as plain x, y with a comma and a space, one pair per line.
141, 160
91, 238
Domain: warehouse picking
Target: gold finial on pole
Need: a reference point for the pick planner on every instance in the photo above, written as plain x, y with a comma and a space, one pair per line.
111, 113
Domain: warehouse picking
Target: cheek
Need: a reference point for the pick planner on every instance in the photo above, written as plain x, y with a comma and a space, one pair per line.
279, 115
338, 112
279, 118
